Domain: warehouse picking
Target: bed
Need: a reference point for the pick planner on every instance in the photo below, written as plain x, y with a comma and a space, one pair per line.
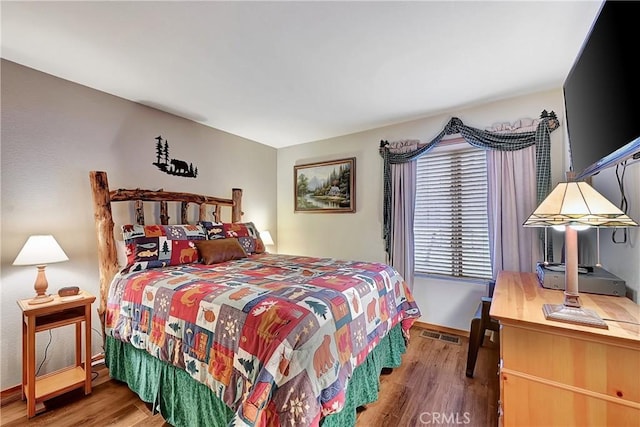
211, 329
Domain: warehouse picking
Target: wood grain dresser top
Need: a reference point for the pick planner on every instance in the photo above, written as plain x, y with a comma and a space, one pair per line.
518, 299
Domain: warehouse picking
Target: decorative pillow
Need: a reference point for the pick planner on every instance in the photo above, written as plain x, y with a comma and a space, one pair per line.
246, 233
213, 230
219, 250
152, 246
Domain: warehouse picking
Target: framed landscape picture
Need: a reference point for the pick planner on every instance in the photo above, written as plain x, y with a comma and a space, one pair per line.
325, 187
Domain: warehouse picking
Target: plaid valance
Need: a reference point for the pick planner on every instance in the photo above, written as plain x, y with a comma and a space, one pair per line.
486, 140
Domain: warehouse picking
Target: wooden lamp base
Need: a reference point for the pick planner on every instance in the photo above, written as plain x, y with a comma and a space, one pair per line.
41, 286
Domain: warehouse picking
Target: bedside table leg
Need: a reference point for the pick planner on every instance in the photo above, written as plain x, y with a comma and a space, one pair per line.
87, 349
79, 344
31, 367
24, 358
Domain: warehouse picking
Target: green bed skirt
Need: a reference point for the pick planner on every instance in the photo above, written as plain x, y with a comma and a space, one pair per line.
184, 402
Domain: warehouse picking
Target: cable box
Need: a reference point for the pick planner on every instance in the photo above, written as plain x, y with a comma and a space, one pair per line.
593, 280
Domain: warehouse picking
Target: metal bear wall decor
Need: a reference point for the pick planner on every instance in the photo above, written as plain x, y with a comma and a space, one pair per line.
172, 166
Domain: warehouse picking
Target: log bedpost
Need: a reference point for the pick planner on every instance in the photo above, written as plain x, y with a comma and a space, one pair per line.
139, 212
164, 215
236, 210
184, 209
108, 260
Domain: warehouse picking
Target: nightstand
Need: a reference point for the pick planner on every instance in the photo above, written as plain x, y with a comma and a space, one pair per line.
62, 311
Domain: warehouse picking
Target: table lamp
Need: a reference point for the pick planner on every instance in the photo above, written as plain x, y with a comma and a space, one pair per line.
573, 206
40, 250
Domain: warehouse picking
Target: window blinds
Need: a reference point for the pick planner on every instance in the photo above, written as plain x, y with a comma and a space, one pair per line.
450, 224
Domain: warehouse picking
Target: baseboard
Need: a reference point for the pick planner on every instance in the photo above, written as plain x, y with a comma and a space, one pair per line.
10, 395
443, 329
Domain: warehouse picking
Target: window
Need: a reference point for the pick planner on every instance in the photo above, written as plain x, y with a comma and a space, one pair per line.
450, 226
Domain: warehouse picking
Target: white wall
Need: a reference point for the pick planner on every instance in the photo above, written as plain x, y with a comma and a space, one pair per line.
359, 235
53, 133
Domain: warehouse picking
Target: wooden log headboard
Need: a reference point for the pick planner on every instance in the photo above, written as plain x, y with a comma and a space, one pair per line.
102, 199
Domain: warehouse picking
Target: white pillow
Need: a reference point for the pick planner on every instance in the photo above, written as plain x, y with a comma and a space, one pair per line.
121, 252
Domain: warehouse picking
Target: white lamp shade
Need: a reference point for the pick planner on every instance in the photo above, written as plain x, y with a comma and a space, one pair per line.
266, 238
577, 203
40, 250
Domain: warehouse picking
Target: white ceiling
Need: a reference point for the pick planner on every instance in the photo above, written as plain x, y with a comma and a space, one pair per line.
285, 73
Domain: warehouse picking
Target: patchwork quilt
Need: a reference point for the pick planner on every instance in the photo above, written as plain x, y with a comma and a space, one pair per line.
276, 337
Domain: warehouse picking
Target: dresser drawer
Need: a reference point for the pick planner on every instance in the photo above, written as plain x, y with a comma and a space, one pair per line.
530, 402
603, 369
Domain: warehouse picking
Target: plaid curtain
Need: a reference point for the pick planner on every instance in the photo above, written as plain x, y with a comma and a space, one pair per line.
483, 139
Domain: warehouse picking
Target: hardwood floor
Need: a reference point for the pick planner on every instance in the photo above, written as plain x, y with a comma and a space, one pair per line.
429, 388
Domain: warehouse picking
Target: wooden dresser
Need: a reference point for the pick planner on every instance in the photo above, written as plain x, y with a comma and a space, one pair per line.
559, 374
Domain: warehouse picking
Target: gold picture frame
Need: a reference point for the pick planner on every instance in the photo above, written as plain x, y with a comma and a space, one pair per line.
325, 187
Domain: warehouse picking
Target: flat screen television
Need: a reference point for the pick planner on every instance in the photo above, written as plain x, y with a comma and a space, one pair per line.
602, 92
